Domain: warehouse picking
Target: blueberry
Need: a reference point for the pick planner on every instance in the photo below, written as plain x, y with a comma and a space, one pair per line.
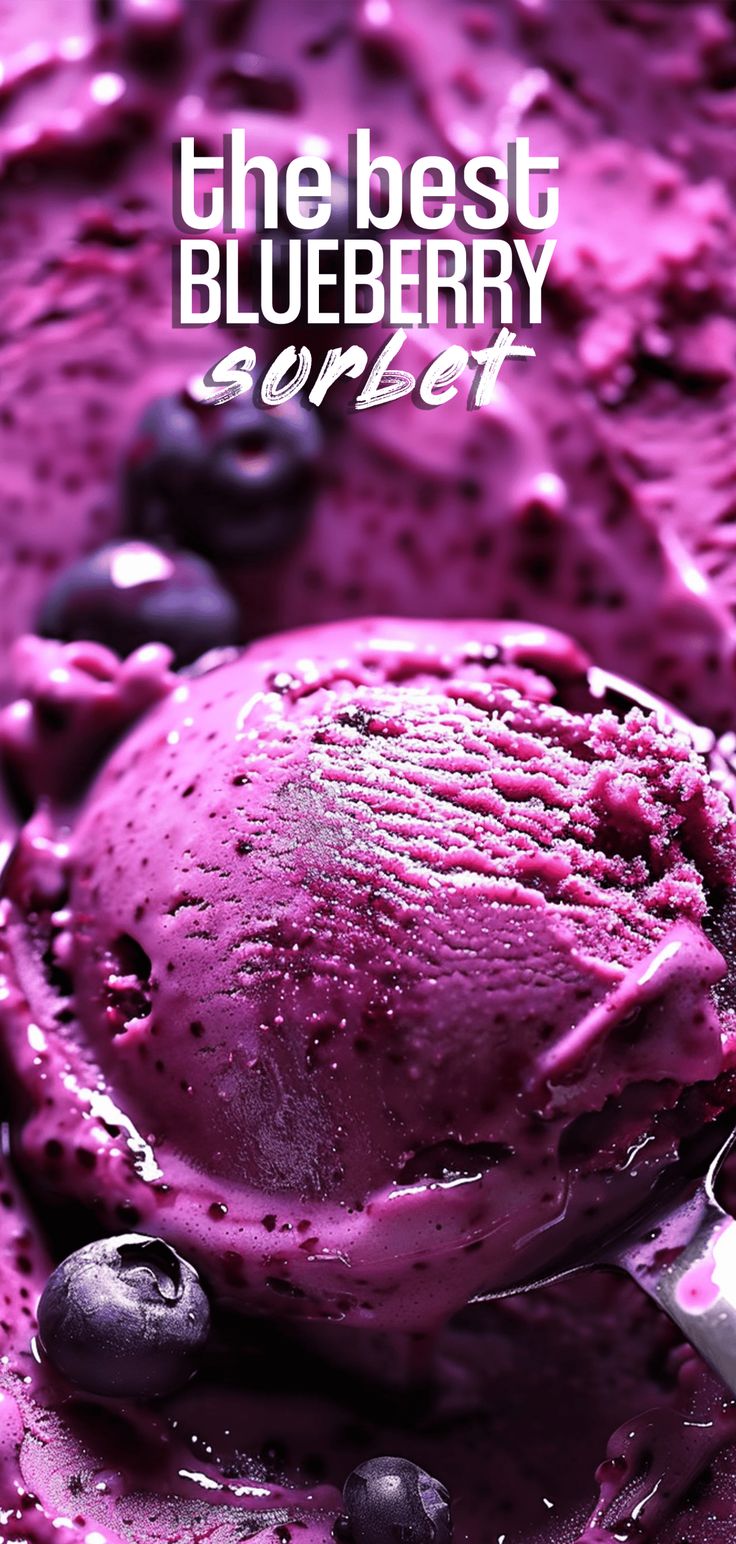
341, 222
339, 225
130, 593
124, 1316
231, 482
393, 1501
163, 469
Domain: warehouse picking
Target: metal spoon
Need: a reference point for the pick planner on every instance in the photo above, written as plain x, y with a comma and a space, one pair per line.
681, 1250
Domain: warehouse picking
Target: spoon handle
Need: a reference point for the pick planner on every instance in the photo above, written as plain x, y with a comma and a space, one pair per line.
694, 1281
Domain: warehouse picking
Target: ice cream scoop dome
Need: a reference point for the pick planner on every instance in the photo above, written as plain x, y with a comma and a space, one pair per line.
397, 933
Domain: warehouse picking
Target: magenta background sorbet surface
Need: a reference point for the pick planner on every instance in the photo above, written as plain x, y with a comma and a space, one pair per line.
389, 960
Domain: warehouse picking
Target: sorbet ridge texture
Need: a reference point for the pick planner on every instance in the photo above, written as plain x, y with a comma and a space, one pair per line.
395, 933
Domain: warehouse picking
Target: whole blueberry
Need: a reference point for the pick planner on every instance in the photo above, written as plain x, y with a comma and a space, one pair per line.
393, 1501
162, 469
339, 226
232, 482
124, 1316
340, 222
130, 593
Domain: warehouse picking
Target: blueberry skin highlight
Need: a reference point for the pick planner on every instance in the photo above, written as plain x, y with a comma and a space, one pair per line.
340, 225
233, 482
124, 1317
130, 593
393, 1501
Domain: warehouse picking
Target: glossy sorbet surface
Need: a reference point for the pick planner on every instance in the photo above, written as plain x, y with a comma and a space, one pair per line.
595, 496
399, 934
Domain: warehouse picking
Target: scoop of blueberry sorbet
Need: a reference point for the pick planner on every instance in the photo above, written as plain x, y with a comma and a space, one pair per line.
380, 965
